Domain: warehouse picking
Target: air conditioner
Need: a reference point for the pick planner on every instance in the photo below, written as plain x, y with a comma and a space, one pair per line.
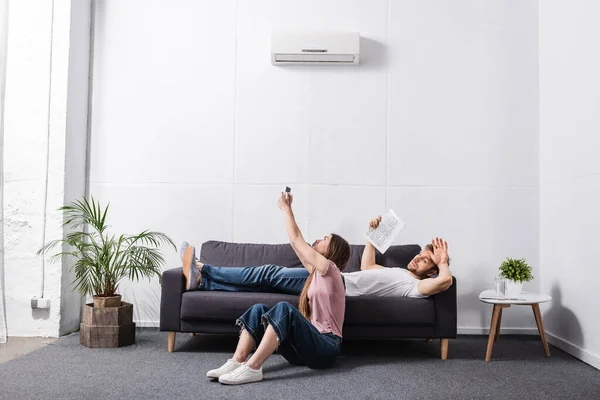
327, 48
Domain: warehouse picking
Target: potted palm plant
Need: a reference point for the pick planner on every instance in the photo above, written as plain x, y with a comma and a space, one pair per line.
102, 261
515, 271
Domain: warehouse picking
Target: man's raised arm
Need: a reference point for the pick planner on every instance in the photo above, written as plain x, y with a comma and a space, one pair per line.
443, 281
368, 257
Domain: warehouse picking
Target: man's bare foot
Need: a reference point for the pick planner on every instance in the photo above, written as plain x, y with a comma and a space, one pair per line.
199, 265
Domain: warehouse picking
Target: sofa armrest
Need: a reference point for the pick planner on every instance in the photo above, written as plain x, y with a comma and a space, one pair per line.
445, 312
173, 286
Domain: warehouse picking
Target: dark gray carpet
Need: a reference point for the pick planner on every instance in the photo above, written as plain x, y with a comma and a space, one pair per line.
366, 370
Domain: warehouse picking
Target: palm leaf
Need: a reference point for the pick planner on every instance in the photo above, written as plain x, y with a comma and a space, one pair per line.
49, 247
87, 279
102, 261
150, 238
143, 262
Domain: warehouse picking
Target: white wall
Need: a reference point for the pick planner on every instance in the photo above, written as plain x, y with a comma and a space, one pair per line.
570, 173
45, 123
26, 127
76, 60
194, 133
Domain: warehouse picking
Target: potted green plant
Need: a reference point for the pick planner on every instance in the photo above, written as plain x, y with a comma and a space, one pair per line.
515, 271
102, 261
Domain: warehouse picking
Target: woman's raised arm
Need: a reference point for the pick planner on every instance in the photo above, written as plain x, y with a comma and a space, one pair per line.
309, 257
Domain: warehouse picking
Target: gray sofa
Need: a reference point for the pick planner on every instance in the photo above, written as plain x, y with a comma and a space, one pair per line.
366, 317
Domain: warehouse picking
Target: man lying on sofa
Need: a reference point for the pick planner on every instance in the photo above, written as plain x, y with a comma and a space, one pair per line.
428, 273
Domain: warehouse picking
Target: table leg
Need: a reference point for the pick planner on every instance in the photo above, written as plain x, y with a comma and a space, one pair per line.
494, 327
540, 325
497, 334
488, 353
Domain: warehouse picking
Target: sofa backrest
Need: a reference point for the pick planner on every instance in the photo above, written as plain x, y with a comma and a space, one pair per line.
395, 257
228, 254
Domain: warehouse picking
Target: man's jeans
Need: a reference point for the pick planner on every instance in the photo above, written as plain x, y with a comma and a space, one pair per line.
299, 341
268, 278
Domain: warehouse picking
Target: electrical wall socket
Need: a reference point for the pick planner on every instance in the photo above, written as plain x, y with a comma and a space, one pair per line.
40, 303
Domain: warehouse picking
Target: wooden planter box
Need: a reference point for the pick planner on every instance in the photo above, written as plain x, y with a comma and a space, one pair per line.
112, 301
107, 327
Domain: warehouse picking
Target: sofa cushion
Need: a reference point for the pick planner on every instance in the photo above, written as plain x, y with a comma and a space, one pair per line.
228, 254
228, 306
381, 311
364, 310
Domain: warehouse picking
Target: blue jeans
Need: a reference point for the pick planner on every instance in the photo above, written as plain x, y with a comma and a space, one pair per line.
300, 342
268, 278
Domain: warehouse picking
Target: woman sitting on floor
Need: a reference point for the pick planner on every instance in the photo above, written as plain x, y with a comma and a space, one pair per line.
310, 336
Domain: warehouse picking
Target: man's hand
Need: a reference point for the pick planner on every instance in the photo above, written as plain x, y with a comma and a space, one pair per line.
285, 201
440, 251
367, 260
443, 281
374, 223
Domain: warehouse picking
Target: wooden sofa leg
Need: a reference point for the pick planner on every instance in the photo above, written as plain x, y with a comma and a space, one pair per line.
444, 346
172, 341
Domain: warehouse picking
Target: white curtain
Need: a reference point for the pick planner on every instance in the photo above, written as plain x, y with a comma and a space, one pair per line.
2, 317
3, 40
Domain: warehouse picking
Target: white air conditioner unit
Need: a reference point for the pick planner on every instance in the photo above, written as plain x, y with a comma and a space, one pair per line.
327, 48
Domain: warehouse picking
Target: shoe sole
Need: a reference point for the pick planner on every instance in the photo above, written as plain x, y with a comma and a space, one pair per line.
214, 376
187, 264
239, 383
181, 253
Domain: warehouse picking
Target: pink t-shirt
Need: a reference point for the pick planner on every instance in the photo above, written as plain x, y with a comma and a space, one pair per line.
327, 300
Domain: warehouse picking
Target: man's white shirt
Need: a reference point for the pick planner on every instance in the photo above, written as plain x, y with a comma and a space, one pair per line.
382, 282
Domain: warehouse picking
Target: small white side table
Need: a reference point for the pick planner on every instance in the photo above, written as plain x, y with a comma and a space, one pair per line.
524, 298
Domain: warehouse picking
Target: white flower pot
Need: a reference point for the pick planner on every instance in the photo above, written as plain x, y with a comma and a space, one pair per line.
513, 288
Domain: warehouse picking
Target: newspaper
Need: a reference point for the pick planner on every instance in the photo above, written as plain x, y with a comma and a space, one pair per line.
385, 234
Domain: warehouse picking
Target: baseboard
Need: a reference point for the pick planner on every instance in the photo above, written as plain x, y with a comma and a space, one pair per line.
503, 331
147, 324
574, 350
460, 331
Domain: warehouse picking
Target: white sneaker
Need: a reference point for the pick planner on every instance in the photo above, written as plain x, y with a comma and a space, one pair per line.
229, 366
242, 374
